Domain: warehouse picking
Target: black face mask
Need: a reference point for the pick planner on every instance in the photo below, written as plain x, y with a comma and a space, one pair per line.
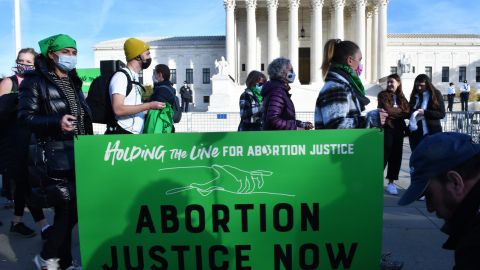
147, 63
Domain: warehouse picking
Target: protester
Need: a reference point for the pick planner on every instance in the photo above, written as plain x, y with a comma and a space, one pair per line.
187, 95
279, 111
426, 110
52, 105
251, 111
393, 101
450, 96
444, 168
342, 99
17, 137
464, 95
161, 121
128, 108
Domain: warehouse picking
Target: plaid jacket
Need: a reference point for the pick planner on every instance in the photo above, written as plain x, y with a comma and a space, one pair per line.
336, 107
251, 112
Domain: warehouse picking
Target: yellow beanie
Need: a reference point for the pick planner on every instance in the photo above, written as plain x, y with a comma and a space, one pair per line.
134, 47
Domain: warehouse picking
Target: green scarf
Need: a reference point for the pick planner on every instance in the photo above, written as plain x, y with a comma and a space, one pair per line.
159, 121
355, 79
256, 92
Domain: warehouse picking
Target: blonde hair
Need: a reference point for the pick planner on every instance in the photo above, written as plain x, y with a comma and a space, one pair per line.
337, 51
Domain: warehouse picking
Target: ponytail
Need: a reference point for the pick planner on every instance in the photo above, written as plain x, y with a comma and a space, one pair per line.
328, 52
337, 51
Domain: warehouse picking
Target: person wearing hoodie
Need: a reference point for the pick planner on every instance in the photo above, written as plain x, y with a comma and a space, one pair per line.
279, 111
342, 99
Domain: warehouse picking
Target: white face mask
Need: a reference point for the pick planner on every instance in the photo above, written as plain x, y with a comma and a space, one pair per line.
290, 77
66, 62
154, 79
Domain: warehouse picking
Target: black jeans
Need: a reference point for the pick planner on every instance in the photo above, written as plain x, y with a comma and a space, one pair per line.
17, 173
58, 244
185, 104
464, 100
450, 101
393, 148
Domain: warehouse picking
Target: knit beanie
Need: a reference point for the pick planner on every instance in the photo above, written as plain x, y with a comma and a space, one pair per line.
134, 47
56, 43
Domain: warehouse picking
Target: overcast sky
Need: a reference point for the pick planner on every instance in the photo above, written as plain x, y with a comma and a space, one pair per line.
92, 21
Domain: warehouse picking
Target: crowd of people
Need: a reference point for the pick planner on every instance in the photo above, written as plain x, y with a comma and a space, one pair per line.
47, 109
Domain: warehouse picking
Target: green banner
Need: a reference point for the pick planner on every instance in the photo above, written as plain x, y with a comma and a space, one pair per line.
87, 75
239, 200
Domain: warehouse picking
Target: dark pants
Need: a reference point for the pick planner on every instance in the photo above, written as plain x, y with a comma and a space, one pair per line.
185, 104
464, 100
17, 173
58, 244
450, 102
393, 148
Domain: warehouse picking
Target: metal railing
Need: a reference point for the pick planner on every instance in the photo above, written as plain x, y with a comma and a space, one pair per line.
463, 122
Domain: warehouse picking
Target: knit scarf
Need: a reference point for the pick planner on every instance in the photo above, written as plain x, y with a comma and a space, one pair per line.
357, 83
256, 92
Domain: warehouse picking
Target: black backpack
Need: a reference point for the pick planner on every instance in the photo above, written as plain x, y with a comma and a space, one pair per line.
98, 98
177, 110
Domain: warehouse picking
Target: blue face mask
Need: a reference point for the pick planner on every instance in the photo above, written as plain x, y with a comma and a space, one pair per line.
258, 87
66, 62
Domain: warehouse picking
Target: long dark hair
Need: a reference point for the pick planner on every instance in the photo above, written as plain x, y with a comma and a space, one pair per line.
423, 78
337, 51
399, 92
253, 77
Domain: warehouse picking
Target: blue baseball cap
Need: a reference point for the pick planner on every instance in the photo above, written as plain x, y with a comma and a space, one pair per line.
437, 154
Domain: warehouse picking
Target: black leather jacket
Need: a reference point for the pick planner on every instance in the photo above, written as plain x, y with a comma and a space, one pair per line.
43, 114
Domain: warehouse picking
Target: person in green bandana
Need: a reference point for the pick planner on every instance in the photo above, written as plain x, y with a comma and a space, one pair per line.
53, 107
342, 99
251, 113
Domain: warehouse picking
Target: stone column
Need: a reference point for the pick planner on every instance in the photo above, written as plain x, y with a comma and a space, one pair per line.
251, 35
382, 39
230, 36
368, 47
273, 45
338, 6
317, 42
293, 43
360, 29
374, 69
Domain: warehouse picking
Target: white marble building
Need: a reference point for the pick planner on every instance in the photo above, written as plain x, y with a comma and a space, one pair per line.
192, 57
257, 31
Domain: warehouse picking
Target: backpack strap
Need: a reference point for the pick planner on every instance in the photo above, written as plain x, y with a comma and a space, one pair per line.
130, 82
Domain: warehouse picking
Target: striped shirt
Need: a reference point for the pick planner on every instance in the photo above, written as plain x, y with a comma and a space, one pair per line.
66, 86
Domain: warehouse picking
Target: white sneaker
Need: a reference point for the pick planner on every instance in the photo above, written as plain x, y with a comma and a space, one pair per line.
50, 264
392, 189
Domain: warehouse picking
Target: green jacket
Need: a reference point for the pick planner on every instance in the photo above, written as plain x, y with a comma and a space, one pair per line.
159, 121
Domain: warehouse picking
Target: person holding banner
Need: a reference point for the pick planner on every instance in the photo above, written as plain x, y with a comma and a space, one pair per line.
251, 111
342, 99
17, 138
393, 101
279, 111
52, 105
427, 108
444, 169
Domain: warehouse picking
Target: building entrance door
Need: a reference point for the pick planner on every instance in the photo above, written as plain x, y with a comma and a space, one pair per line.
304, 65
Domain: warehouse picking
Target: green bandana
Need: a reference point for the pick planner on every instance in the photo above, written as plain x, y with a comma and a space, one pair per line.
256, 92
56, 43
355, 79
